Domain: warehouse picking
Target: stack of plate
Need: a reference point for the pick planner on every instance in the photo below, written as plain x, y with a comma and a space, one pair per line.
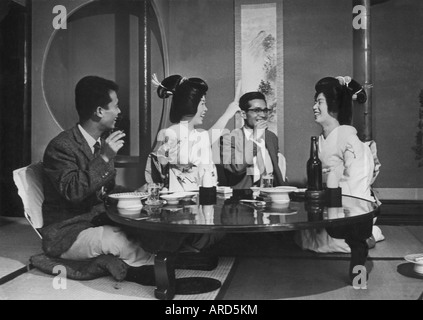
278, 195
417, 259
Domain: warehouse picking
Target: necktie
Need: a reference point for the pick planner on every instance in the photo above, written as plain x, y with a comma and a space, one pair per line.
97, 148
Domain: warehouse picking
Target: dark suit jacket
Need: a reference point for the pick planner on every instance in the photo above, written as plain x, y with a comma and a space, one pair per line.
239, 157
72, 185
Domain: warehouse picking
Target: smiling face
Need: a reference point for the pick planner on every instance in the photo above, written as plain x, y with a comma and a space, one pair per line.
110, 112
252, 117
321, 110
201, 113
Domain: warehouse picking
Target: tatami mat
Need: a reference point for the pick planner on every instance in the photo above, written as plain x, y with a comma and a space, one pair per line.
400, 241
35, 285
417, 232
291, 279
18, 242
270, 266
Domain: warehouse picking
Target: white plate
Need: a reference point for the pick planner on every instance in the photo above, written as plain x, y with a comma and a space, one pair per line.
176, 197
412, 258
129, 195
417, 259
279, 190
166, 192
291, 213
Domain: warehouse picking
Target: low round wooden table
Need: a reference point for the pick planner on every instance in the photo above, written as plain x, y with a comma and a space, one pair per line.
352, 222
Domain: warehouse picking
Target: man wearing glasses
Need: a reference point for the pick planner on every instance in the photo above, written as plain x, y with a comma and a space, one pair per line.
252, 152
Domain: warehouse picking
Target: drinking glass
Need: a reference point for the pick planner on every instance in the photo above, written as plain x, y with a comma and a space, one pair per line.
154, 193
267, 181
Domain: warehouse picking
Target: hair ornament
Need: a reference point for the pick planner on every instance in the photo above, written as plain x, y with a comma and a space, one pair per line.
344, 81
155, 81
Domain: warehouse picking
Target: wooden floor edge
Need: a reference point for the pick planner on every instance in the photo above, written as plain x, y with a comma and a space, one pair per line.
15, 274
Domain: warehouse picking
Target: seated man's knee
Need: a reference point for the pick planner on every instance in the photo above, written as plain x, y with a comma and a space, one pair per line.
114, 240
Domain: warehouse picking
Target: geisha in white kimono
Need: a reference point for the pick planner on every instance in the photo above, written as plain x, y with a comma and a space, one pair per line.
187, 155
353, 162
356, 167
183, 159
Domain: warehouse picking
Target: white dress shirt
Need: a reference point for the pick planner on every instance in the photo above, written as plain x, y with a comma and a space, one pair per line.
90, 140
261, 146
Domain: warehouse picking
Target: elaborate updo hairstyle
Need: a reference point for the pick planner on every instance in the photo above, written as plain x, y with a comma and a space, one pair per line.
340, 93
186, 95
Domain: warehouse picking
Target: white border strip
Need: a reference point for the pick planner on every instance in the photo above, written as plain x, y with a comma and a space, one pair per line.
399, 193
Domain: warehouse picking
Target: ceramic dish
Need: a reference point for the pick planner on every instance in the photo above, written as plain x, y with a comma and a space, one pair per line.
129, 195
129, 200
278, 194
130, 211
166, 192
417, 259
224, 190
174, 198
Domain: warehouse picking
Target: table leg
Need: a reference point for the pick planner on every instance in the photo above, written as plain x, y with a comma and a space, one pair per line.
359, 254
164, 269
355, 236
167, 285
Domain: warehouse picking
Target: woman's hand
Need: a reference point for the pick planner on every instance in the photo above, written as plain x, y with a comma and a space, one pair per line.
220, 125
232, 109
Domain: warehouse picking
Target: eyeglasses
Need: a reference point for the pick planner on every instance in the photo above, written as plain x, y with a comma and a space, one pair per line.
258, 110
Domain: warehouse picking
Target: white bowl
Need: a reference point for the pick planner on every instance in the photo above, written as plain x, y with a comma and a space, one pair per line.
417, 259
129, 200
130, 211
131, 204
279, 194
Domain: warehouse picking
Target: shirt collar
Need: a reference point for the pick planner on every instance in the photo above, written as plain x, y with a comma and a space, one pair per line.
90, 140
248, 133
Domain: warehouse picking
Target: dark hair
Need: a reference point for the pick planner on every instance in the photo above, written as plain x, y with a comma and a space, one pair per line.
186, 95
244, 101
92, 92
339, 97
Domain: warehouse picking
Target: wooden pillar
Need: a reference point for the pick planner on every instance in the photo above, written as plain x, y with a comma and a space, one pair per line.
27, 107
145, 85
362, 61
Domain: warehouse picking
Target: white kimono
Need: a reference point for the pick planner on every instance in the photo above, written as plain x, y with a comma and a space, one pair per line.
189, 155
355, 165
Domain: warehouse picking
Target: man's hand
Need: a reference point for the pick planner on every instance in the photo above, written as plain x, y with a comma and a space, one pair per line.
259, 129
112, 145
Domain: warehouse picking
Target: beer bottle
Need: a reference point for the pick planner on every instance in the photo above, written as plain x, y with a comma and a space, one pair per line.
314, 168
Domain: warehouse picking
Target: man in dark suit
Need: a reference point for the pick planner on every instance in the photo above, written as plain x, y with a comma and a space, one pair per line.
79, 170
252, 152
